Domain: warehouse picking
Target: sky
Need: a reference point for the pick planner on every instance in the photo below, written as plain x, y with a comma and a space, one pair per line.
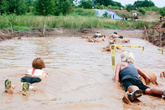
158, 3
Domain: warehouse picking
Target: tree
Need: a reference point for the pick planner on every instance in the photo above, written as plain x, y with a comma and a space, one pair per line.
13, 6
162, 11
45, 7
30, 5
129, 7
53, 7
142, 10
145, 3
87, 4
4, 6
65, 6
107, 2
20, 7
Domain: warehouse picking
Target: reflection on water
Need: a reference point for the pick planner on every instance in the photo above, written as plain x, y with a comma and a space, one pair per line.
80, 73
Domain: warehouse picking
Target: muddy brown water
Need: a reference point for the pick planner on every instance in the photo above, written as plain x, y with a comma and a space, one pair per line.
80, 74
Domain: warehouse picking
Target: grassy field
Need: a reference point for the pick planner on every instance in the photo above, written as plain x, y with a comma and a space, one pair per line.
73, 21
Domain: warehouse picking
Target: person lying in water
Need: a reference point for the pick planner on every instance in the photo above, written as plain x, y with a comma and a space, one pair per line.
34, 75
127, 73
114, 35
98, 35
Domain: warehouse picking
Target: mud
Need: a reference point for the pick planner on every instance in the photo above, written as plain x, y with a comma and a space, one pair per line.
80, 73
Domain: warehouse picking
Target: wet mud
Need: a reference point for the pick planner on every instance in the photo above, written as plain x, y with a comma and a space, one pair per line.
80, 74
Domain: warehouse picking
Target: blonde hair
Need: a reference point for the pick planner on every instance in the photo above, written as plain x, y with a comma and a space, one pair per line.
38, 63
127, 57
130, 58
124, 56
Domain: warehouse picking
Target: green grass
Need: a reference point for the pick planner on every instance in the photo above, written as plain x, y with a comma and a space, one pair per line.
73, 21
21, 28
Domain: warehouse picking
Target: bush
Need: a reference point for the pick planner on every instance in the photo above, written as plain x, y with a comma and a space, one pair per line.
84, 12
129, 7
102, 7
105, 14
87, 4
162, 11
113, 7
142, 10
96, 6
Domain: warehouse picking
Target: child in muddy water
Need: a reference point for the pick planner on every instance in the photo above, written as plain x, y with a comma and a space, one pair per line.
127, 73
31, 76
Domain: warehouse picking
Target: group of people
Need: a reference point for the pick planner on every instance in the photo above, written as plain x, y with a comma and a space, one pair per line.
34, 75
115, 39
126, 72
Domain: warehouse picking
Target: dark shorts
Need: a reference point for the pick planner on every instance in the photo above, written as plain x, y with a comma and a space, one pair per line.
95, 36
133, 82
30, 80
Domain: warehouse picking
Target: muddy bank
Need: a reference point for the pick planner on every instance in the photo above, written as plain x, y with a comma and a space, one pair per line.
156, 34
5, 34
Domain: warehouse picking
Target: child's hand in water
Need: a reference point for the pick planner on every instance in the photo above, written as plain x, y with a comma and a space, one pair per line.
45, 75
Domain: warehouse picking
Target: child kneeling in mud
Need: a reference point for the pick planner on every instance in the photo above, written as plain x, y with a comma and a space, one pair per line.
31, 76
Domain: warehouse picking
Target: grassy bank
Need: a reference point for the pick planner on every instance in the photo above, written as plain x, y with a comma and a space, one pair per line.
29, 22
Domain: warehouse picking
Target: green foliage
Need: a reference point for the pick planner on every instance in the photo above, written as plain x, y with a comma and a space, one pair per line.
129, 7
107, 2
97, 7
13, 6
21, 28
105, 14
145, 3
87, 4
4, 6
110, 26
25, 22
152, 32
30, 5
162, 11
154, 8
102, 7
65, 7
113, 7
84, 12
142, 10
45, 7
53, 7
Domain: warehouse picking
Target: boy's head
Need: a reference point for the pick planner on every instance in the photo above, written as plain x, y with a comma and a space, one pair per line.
38, 63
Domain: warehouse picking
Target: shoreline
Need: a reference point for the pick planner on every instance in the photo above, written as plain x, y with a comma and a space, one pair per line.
55, 32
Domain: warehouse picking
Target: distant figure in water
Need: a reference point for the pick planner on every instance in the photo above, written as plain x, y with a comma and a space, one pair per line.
34, 75
114, 35
98, 37
128, 74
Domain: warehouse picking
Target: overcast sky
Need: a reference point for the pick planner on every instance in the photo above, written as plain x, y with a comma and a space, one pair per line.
158, 3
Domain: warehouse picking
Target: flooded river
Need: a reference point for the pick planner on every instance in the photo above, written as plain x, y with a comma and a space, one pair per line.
80, 74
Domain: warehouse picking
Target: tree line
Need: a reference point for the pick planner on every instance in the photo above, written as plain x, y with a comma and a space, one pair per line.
57, 7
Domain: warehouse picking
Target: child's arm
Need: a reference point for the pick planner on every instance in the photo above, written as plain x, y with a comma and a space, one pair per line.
45, 75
